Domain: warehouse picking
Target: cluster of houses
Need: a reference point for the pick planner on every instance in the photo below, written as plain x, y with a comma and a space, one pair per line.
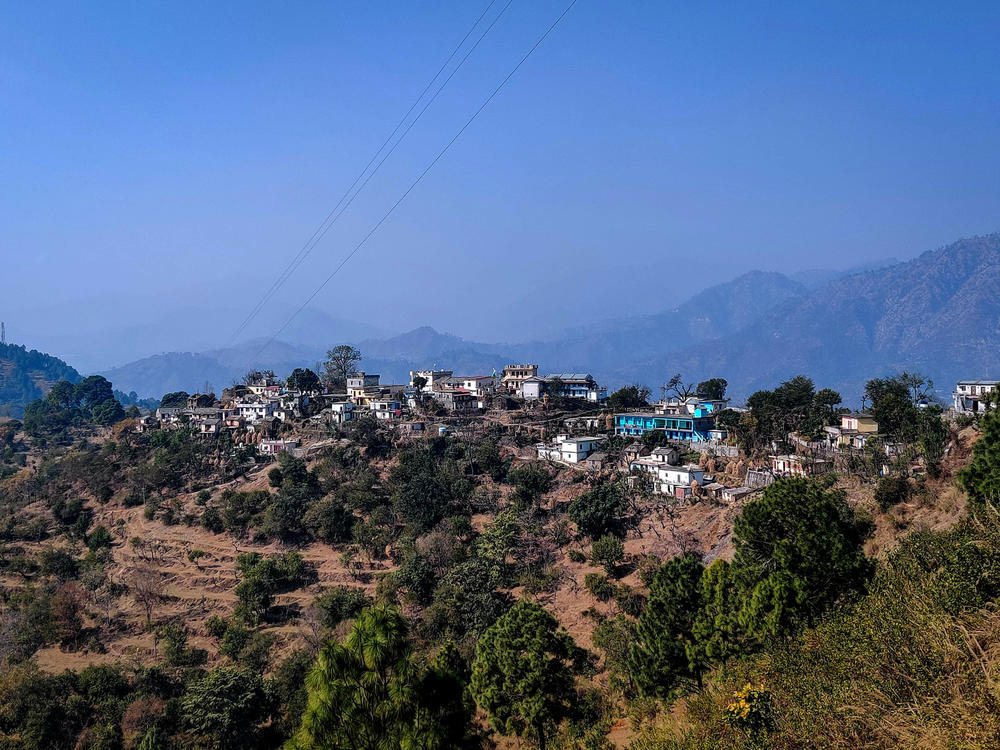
525, 382
254, 413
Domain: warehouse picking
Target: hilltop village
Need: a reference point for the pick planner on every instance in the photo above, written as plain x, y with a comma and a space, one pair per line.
572, 417
547, 562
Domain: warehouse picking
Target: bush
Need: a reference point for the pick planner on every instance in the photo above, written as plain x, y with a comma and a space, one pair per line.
597, 512
176, 652
340, 603
629, 601
608, 552
577, 556
195, 555
599, 585
648, 566
892, 490
216, 625
99, 539
60, 564
212, 520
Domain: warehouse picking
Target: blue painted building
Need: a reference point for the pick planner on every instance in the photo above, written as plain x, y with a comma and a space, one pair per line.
693, 427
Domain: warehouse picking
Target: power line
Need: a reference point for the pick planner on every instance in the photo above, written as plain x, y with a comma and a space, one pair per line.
331, 218
427, 169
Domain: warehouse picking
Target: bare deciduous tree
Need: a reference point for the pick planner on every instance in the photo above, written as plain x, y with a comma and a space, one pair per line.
146, 588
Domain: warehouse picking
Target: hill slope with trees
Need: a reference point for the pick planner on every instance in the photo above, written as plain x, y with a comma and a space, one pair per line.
27, 375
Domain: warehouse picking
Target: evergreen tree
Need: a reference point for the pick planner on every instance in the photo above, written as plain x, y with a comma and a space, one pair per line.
523, 672
367, 694
660, 660
799, 550
716, 630
981, 478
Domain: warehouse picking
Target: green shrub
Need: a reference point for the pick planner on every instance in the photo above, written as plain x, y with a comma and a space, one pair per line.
608, 552
599, 586
340, 603
892, 490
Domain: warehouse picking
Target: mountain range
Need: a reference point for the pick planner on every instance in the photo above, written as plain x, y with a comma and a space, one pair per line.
938, 313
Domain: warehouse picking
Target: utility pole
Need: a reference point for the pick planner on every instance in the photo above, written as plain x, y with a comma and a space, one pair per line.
3, 332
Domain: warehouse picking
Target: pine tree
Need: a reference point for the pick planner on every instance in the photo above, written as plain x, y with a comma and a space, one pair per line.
523, 672
659, 661
799, 550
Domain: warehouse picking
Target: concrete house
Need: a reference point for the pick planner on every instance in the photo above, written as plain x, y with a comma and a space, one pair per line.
969, 395
255, 411
575, 385
799, 466
853, 431
433, 378
514, 375
532, 388
695, 428
386, 409
569, 449
342, 411
213, 426
667, 479
274, 447
457, 400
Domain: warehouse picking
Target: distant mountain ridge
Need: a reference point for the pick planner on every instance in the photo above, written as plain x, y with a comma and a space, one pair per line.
938, 313
26, 375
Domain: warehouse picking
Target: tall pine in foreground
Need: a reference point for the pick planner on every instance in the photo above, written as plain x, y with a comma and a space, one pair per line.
367, 693
981, 478
661, 659
799, 550
523, 672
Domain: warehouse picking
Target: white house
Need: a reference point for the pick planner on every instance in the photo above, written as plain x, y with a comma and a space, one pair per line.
532, 388
342, 411
386, 409
274, 447
255, 411
569, 449
575, 385
361, 383
431, 377
969, 395
668, 479
478, 385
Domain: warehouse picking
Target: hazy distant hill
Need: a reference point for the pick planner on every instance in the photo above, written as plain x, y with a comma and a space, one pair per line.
602, 347
26, 375
817, 277
599, 348
938, 313
96, 336
186, 371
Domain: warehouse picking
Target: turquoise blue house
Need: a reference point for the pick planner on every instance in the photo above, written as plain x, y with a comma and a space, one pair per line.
693, 427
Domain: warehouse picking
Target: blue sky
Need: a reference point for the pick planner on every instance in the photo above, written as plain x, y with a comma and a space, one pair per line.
179, 153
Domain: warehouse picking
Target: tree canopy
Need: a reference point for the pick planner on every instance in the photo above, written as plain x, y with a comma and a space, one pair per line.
341, 362
523, 672
628, 397
303, 379
799, 550
662, 655
368, 693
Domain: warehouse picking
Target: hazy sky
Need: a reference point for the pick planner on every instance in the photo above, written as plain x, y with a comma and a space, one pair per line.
168, 154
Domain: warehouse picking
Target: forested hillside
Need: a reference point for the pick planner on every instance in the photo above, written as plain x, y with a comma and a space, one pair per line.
26, 375
380, 589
